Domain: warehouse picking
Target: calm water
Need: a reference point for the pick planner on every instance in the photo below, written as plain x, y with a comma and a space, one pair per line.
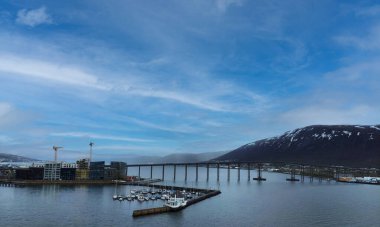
271, 203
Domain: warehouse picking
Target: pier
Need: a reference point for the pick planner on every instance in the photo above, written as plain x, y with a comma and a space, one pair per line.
158, 210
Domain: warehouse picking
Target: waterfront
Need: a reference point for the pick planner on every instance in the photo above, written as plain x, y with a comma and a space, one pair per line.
271, 203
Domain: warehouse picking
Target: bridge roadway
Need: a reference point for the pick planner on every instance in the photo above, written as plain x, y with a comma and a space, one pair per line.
331, 172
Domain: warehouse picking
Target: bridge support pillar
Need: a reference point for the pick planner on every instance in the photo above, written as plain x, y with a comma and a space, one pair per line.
163, 172
249, 171
151, 172
228, 171
126, 171
186, 172
292, 175
311, 170
208, 171
175, 170
239, 171
217, 172
259, 174
139, 172
337, 173
302, 173
196, 172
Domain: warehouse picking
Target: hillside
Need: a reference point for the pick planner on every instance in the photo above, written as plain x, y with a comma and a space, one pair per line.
345, 145
14, 158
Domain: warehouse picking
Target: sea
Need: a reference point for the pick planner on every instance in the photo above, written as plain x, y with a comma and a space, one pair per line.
275, 202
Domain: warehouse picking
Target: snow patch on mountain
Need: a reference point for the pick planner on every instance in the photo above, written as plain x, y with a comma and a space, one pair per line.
347, 133
325, 135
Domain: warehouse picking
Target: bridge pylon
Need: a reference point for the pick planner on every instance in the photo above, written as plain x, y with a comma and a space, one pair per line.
259, 173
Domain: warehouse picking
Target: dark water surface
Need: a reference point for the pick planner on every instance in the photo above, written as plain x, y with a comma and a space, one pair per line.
245, 203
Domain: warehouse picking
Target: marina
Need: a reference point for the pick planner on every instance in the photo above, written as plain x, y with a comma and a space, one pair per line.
175, 198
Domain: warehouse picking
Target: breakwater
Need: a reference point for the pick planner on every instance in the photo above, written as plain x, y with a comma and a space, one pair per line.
158, 210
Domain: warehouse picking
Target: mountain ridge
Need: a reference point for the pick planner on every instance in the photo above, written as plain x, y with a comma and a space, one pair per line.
4, 157
346, 145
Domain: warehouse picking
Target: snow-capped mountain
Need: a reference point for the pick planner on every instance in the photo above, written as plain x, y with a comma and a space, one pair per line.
346, 145
14, 158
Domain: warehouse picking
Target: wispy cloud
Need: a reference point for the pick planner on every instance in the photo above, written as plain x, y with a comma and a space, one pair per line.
358, 72
223, 5
180, 129
6, 140
373, 10
99, 136
49, 71
368, 41
182, 97
10, 117
33, 17
5, 108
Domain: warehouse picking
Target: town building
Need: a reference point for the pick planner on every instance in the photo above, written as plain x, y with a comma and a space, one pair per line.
52, 171
120, 168
97, 170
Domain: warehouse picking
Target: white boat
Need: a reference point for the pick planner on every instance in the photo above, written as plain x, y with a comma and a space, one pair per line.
176, 203
140, 198
164, 197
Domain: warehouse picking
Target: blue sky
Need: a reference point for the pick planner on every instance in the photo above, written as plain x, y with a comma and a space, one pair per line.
160, 77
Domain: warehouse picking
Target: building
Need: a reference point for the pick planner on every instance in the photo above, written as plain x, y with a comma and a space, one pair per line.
68, 173
7, 173
52, 171
82, 171
36, 173
22, 174
82, 164
96, 170
110, 173
120, 168
82, 174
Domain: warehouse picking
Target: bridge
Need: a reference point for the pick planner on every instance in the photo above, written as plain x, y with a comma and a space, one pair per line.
311, 171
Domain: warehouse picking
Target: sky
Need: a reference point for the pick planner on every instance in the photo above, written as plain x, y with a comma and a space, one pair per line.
180, 76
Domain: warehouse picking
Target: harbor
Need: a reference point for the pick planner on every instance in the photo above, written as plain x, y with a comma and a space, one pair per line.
175, 198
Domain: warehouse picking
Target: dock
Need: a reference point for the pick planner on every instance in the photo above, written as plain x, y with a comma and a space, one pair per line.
159, 210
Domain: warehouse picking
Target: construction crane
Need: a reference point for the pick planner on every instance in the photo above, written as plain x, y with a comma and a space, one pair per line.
91, 144
55, 148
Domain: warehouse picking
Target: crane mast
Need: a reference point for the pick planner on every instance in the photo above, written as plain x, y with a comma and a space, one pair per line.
55, 148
